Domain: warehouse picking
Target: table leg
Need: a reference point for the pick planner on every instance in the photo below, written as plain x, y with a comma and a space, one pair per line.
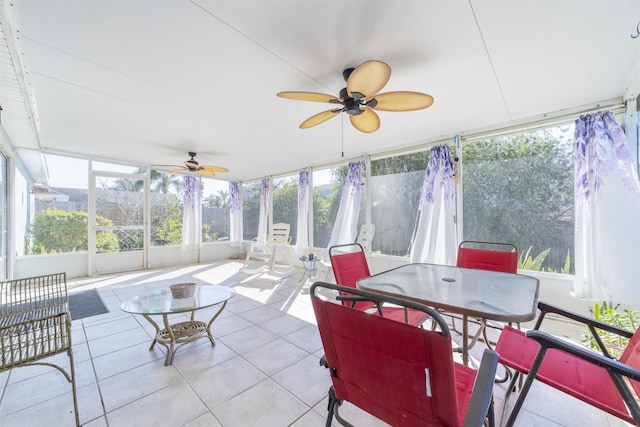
175, 336
155, 325
304, 274
465, 340
215, 316
171, 348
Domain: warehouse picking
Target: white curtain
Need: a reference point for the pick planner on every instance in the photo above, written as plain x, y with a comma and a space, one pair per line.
264, 212
235, 212
607, 196
302, 233
345, 227
434, 240
191, 213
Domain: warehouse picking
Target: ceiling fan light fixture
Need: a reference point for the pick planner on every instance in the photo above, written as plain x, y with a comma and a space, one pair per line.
192, 165
361, 97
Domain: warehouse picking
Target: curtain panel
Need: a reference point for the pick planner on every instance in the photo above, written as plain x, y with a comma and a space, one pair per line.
264, 212
607, 203
345, 227
191, 212
302, 233
435, 239
235, 211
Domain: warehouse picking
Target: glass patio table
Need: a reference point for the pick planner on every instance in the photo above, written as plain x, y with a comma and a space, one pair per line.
488, 295
174, 336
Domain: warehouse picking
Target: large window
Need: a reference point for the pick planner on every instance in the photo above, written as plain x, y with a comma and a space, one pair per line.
285, 203
215, 210
251, 209
327, 186
166, 208
395, 192
59, 222
518, 188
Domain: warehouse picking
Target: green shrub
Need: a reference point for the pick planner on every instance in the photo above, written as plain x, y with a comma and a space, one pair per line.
608, 313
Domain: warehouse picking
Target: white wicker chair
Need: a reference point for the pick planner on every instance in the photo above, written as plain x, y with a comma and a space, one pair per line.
35, 323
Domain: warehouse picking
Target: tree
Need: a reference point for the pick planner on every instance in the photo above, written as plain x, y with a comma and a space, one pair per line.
251, 209
519, 188
162, 182
220, 200
285, 206
159, 182
54, 230
166, 221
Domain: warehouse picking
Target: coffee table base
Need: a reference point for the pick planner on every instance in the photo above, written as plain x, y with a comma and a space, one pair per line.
172, 337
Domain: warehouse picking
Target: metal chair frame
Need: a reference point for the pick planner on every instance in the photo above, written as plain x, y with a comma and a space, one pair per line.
397, 372
348, 267
582, 373
35, 323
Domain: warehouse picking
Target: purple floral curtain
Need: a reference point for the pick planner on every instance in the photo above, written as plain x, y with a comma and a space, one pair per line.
345, 227
191, 189
607, 202
235, 212
302, 236
434, 239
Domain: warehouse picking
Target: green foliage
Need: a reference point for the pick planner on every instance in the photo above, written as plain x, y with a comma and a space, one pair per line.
609, 313
251, 209
325, 210
220, 200
285, 205
54, 230
166, 222
208, 235
518, 188
527, 262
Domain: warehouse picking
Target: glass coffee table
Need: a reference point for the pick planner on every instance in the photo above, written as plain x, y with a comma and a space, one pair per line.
161, 303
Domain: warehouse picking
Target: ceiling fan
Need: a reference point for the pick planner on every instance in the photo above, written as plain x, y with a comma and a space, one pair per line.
359, 98
192, 165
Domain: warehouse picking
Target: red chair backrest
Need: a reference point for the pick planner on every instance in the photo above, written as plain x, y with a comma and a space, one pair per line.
348, 268
631, 357
402, 374
487, 259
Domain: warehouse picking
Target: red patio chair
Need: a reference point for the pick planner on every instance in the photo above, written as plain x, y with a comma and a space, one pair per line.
595, 378
399, 373
488, 256
494, 256
348, 267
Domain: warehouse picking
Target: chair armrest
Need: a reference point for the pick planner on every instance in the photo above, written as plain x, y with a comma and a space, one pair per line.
588, 321
482, 394
547, 340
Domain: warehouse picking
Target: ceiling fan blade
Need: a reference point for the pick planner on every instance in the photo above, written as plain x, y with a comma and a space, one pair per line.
319, 118
366, 122
178, 170
307, 96
191, 164
402, 101
213, 168
206, 172
368, 78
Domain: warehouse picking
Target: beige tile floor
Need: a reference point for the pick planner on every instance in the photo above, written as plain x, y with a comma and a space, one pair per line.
264, 370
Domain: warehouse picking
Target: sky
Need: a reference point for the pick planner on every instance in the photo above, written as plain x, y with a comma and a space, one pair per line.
73, 172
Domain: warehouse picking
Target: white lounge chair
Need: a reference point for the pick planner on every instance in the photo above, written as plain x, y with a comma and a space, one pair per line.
274, 253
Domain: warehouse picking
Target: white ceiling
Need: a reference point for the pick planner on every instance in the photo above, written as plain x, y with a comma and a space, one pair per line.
144, 82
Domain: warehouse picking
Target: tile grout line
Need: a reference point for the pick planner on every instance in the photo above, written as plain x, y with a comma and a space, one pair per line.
95, 374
